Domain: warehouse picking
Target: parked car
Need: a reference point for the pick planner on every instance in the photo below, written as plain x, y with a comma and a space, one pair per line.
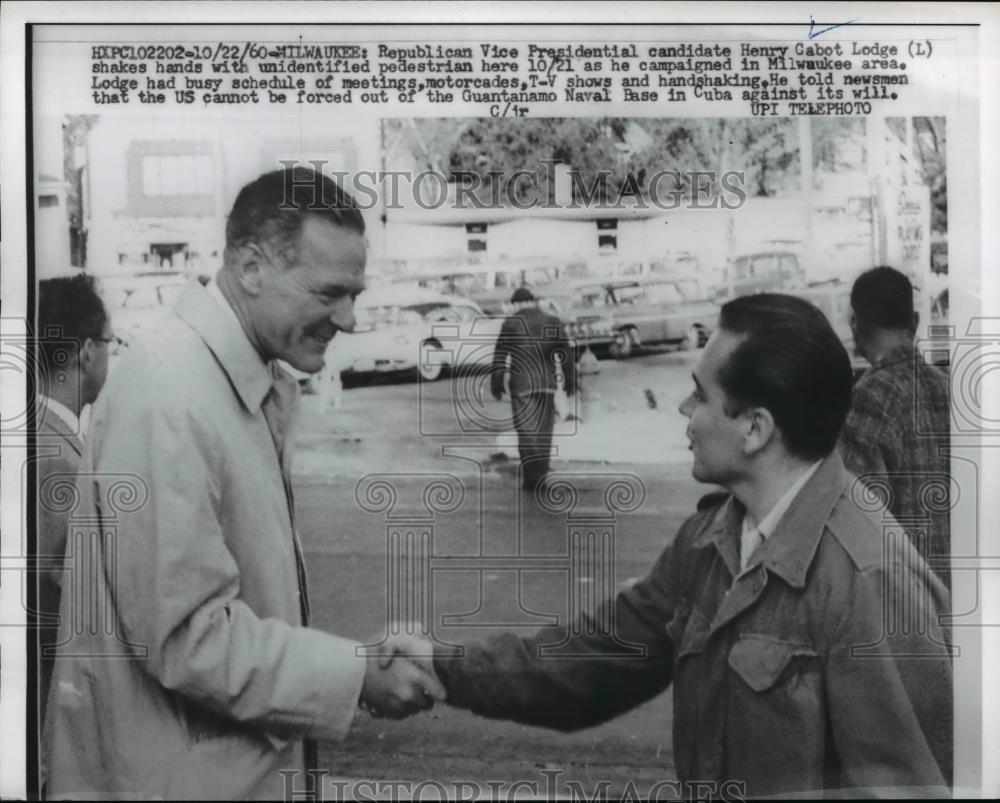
489, 285
834, 301
587, 325
654, 311
764, 272
408, 328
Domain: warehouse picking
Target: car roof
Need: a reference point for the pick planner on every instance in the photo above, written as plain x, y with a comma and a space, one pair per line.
643, 280
398, 295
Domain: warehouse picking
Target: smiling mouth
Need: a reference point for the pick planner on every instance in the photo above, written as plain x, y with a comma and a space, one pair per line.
320, 337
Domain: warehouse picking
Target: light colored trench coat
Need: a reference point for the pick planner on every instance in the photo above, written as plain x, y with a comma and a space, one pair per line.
184, 668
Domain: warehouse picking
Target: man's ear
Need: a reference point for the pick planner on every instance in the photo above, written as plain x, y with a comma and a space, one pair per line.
86, 355
760, 430
247, 264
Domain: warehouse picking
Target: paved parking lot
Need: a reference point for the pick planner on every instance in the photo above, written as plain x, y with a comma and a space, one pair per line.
408, 434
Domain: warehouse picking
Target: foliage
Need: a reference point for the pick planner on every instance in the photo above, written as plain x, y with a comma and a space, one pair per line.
612, 156
930, 146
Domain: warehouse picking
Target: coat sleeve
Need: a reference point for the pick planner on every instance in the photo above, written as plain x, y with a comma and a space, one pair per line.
176, 585
889, 687
594, 674
568, 362
500, 354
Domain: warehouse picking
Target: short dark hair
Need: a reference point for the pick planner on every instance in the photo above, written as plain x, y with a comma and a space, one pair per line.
274, 207
522, 295
883, 298
792, 363
70, 309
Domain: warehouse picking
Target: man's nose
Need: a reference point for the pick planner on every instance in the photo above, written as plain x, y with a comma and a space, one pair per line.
685, 407
342, 315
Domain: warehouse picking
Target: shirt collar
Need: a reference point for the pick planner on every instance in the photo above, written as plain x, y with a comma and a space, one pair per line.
767, 524
902, 353
63, 413
212, 317
790, 549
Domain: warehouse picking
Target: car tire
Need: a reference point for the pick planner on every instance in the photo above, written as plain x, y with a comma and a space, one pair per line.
626, 346
429, 370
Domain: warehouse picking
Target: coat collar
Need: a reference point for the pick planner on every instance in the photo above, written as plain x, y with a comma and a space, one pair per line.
47, 419
226, 339
903, 353
790, 549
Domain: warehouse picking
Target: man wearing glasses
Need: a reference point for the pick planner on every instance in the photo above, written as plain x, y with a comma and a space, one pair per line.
74, 340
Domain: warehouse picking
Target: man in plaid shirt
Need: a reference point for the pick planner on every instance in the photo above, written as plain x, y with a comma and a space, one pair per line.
896, 434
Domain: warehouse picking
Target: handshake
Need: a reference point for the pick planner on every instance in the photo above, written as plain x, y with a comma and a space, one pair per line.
400, 679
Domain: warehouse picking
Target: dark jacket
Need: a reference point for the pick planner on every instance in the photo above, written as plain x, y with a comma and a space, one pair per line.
896, 441
798, 676
539, 351
59, 449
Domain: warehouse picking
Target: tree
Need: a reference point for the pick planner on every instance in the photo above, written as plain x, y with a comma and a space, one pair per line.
836, 143
930, 149
766, 151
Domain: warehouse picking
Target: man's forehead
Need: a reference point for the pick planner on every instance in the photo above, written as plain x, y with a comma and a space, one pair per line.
332, 251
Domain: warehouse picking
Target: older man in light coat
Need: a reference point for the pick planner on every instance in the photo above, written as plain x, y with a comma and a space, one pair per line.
186, 668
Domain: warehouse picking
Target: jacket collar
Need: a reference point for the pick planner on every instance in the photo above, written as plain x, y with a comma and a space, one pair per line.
790, 549
903, 353
46, 418
226, 339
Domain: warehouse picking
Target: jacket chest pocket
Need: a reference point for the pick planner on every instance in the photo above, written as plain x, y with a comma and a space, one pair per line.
764, 663
776, 695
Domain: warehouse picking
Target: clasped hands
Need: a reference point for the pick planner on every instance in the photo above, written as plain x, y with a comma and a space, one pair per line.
400, 679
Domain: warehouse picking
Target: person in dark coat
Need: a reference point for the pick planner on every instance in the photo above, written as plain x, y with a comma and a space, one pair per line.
776, 612
897, 434
74, 343
533, 350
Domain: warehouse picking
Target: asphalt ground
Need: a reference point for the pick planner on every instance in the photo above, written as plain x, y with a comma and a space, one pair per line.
396, 465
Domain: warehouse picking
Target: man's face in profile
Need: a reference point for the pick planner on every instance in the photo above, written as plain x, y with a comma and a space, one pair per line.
307, 295
716, 439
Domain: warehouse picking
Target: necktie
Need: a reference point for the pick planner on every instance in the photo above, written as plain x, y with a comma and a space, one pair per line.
279, 412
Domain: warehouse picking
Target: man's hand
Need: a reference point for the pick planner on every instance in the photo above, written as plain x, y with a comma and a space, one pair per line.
400, 678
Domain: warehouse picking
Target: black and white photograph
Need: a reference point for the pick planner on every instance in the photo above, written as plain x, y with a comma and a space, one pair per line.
544, 403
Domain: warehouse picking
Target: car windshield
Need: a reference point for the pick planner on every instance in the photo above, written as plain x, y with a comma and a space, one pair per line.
666, 293
629, 294
433, 310
575, 271
592, 297
455, 283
